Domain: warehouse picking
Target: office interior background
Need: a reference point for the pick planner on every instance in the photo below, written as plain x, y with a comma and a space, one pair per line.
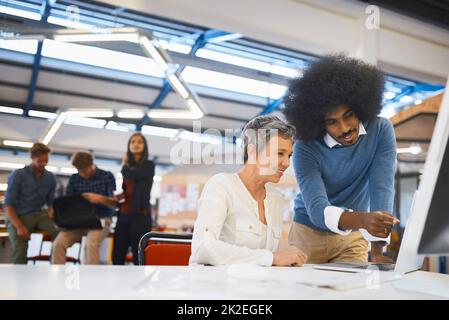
234, 58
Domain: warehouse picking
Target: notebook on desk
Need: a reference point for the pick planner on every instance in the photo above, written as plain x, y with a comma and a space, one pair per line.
355, 267
344, 280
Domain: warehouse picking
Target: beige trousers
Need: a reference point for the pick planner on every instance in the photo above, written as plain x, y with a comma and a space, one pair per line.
324, 247
66, 238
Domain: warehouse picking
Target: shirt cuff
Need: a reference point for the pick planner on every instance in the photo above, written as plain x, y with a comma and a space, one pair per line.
332, 218
267, 259
371, 238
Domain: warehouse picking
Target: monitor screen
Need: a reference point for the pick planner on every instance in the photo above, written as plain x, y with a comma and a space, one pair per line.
433, 201
435, 236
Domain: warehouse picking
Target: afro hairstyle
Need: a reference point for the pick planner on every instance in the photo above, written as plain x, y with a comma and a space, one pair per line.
329, 82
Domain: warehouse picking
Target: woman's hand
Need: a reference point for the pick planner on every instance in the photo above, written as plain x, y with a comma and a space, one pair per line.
292, 256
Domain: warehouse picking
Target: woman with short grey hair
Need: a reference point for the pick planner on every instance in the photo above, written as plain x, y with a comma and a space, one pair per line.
240, 215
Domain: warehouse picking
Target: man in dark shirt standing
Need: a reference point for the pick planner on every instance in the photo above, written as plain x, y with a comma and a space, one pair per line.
30, 189
97, 186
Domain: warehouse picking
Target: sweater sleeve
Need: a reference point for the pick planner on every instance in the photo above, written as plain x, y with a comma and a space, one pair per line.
311, 184
207, 248
382, 171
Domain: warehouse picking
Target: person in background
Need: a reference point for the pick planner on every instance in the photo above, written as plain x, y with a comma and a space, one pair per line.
29, 190
240, 215
344, 161
96, 186
134, 217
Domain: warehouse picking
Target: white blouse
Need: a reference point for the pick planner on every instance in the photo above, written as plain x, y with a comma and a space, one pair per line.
228, 230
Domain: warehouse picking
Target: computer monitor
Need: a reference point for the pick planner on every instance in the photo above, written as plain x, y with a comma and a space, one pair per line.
432, 205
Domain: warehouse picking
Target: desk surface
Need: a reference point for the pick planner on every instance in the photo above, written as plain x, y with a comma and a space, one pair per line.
199, 282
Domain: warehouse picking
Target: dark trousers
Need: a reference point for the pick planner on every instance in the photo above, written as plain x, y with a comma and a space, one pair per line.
128, 231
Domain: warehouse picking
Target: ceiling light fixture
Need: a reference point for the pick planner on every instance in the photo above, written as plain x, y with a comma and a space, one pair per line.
21, 144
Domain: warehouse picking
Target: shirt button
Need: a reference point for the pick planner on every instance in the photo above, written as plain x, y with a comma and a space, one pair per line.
250, 227
207, 229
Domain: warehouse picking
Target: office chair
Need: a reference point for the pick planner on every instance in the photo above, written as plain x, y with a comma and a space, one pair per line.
163, 248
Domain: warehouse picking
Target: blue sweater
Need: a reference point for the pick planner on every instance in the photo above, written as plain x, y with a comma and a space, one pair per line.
358, 177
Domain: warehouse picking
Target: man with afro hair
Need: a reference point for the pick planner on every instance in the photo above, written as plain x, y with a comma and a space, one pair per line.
344, 161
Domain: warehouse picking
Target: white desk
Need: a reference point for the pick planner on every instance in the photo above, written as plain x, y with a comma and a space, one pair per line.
164, 282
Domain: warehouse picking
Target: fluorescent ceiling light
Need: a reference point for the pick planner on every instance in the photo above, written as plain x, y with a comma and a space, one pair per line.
413, 149
130, 114
160, 131
406, 99
157, 178
175, 46
85, 122
42, 114
112, 125
150, 48
101, 58
89, 34
54, 127
20, 13
51, 169
68, 170
285, 71
25, 46
22, 144
90, 113
389, 95
172, 114
387, 113
11, 165
229, 82
238, 141
178, 86
391, 87
11, 110
197, 137
116, 60
276, 91
3, 186
130, 37
226, 37
68, 23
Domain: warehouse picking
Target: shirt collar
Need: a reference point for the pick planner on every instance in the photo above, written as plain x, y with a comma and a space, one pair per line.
331, 142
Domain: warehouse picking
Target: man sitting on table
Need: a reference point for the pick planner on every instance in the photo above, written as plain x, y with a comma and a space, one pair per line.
97, 186
240, 214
